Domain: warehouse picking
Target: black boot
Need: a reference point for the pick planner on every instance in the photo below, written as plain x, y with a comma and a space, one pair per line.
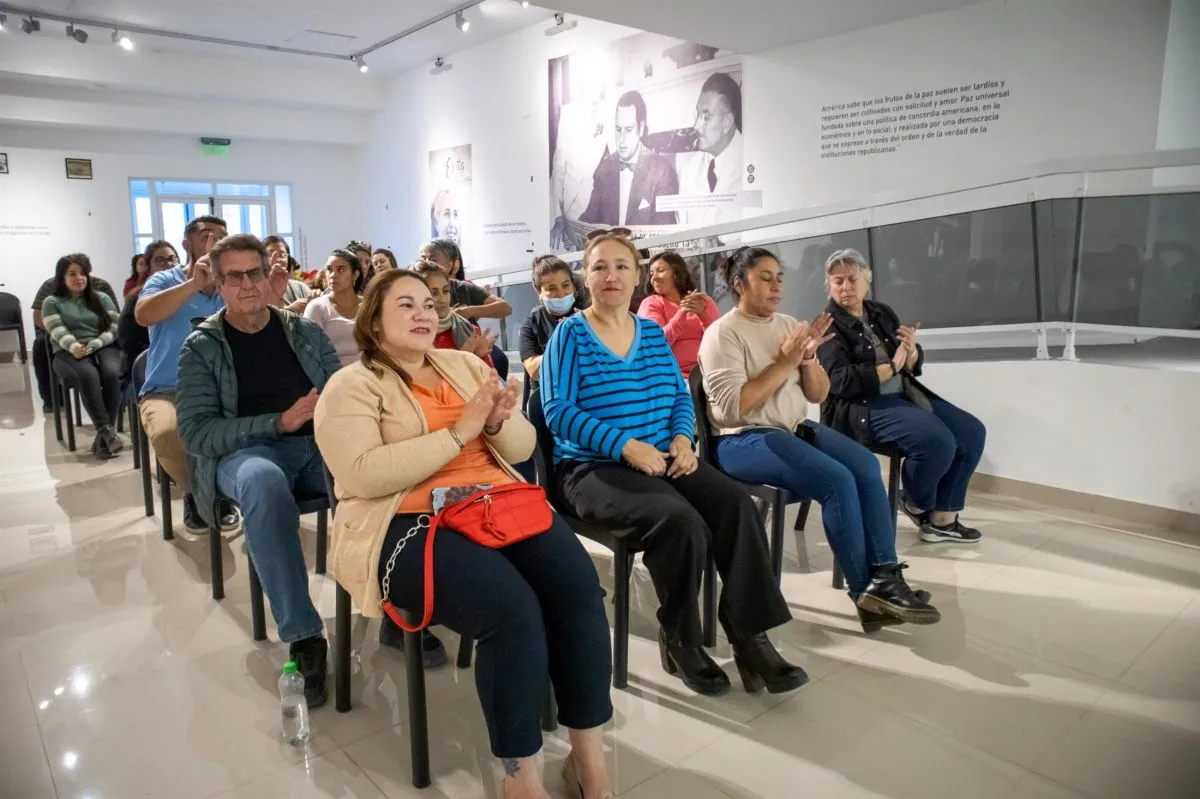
692, 665
919, 594
889, 595
110, 440
310, 656
874, 622
760, 665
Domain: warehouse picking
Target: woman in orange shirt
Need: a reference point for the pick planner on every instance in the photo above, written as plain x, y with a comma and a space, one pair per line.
406, 420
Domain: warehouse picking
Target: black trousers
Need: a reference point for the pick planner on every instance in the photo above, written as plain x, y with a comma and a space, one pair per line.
536, 611
680, 521
98, 378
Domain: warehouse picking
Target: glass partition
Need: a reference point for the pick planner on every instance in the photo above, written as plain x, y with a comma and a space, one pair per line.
1139, 261
961, 270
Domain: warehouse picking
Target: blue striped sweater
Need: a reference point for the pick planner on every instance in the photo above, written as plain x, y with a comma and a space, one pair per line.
596, 402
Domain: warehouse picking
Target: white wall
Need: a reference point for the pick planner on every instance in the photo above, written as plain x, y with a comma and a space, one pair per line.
1114, 431
1085, 78
93, 216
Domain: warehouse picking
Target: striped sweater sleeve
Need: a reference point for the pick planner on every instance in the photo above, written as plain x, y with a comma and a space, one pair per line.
114, 318
560, 387
55, 328
683, 411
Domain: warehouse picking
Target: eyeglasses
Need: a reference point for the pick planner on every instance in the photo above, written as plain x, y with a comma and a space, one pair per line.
168, 261
623, 232
237, 278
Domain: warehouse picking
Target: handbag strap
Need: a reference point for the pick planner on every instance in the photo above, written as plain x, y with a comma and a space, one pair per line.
391, 610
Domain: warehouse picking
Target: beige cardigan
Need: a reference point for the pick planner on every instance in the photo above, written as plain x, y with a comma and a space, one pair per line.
376, 442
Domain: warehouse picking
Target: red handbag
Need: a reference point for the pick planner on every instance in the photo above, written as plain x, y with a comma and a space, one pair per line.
494, 518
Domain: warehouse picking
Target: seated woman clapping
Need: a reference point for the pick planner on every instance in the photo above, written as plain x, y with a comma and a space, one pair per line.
454, 332
874, 395
335, 312
406, 420
760, 372
683, 312
623, 422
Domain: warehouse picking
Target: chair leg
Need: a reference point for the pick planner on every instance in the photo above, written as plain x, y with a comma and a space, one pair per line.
79, 410
341, 652
258, 611
624, 566
70, 419
709, 615
894, 488
839, 580
549, 710
134, 444
216, 561
466, 650
418, 713
147, 488
21, 341
802, 515
778, 510
121, 421
56, 405
164, 499
322, 539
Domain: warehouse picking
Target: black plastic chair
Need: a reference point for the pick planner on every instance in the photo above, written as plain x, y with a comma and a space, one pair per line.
775, 499
11, 318
61, 391
318, 505
141, 442
414, 663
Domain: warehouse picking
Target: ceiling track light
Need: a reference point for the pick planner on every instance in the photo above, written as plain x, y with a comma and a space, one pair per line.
524, 3
122, 41
461, 22
361, 64
78, 34
31, 25
3, 19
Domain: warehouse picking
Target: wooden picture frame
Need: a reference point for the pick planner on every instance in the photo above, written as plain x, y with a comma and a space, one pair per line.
79, 168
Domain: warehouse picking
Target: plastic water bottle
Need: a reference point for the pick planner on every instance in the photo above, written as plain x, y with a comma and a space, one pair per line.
293, 705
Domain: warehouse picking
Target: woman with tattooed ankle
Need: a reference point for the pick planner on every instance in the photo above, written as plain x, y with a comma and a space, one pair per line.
397, 429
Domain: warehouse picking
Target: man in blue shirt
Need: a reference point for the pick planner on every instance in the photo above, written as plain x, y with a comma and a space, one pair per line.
169, 305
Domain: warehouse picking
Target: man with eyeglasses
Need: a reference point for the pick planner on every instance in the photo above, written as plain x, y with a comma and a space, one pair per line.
167, 306
249, 378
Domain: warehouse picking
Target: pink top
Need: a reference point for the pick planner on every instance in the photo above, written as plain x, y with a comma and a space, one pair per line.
683, 328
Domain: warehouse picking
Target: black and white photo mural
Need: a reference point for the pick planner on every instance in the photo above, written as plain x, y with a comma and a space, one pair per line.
645, 134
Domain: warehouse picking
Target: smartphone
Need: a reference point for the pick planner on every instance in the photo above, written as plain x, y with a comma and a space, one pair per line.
452, 495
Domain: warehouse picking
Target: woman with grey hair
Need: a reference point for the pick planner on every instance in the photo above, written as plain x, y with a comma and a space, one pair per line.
760, 374
873, 363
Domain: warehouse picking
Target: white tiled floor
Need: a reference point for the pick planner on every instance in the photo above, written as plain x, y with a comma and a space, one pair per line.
1066, 666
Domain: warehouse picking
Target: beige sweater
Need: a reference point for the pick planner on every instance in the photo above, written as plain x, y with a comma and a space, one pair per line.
374, 438
736, 349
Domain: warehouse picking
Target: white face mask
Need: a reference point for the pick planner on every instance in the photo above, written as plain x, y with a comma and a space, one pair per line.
559, 306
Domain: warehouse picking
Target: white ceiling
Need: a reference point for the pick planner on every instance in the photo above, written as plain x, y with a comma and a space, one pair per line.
343, 27
751, 26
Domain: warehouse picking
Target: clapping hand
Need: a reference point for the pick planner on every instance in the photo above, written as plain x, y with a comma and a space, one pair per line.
908, 337
278, 279
506, 401
816, 334
478, 410
480, 343
694, 301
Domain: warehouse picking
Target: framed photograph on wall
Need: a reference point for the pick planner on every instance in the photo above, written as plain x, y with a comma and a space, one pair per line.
3, 163
79, 168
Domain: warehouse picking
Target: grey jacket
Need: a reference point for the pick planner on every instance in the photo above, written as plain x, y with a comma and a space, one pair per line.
206, 401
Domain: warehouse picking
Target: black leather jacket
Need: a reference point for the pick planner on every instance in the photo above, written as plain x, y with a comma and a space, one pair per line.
849, 360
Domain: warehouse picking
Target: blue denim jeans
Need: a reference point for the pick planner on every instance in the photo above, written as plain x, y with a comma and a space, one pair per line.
941, 449
264, 479
837, 472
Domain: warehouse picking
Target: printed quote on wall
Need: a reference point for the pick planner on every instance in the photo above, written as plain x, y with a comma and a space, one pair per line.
884, 124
